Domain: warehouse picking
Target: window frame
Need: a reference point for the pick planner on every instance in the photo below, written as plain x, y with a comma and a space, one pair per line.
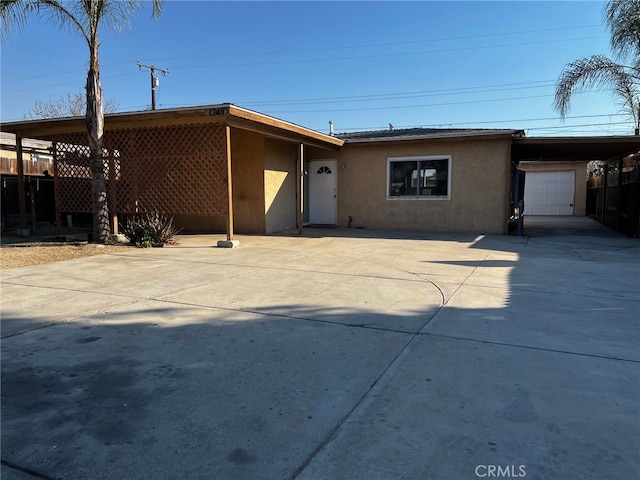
418, 159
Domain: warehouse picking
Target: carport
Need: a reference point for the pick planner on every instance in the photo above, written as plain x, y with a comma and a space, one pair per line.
564, 159
201, 165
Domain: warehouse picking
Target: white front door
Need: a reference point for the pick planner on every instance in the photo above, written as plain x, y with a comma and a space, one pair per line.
323, 192
549, 193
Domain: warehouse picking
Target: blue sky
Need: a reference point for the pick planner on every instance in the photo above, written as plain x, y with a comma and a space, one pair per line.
362, 65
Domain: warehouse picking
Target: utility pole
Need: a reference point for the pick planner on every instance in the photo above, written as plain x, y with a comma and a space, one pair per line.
155, 81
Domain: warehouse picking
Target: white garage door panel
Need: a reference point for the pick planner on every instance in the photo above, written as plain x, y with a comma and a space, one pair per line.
549, 193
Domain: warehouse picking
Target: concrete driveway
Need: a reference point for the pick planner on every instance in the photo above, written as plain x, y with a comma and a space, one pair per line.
341, 354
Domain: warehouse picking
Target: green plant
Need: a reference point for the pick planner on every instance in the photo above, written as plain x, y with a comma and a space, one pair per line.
150, 229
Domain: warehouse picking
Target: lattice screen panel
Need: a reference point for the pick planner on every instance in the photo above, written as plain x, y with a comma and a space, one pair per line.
72, 170
173, 169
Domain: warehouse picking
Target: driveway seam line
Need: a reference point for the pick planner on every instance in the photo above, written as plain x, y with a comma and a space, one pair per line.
331, 435
465, 280
529, 347
70, 320
445, 300
28, 471
282, 315
74, 290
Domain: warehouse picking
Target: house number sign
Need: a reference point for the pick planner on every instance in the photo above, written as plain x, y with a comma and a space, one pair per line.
218, 111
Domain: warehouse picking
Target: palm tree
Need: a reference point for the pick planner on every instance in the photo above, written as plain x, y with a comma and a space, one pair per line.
622, 76
84, 17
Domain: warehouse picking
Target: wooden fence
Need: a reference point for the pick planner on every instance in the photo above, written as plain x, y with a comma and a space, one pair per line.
9, 166
614, 198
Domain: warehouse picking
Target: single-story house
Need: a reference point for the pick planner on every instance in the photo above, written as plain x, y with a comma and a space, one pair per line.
224, 168
439, 180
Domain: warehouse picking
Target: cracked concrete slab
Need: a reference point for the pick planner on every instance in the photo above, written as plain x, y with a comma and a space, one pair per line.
300, 357
156, 390
452, 406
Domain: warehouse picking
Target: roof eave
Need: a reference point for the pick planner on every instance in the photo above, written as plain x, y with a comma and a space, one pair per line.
445, 136
579, 149
44, 128
583, 140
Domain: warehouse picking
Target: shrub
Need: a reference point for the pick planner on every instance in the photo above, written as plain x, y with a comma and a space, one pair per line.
151, 229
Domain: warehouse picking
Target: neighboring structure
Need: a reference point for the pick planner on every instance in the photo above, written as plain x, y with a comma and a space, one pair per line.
37, 192
37, 156
225, 168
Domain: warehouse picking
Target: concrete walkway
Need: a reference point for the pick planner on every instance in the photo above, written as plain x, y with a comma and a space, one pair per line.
342, 354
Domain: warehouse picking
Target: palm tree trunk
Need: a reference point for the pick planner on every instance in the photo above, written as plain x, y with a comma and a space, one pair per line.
95, 130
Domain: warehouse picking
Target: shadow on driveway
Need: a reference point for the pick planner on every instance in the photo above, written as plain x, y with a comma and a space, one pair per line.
342, 355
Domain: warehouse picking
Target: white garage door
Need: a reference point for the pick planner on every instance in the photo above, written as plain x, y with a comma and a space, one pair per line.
549, 193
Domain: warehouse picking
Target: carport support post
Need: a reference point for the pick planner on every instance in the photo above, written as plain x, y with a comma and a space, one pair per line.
113, 196
229, 187
21, 192
619, 199
604, 195
230, 242
299, 188
56, 186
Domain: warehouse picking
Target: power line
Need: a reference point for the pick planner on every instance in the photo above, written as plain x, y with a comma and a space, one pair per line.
565, 127
82, 81
377, 45
555, 128
44, 75
380, 55
399, 96
346, 47
402, 95
397, 107
490, 122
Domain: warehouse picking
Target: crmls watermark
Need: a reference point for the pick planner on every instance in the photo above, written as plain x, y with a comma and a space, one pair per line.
501, 471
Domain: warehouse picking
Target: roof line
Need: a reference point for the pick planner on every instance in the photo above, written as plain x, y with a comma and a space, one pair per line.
28, 127
434, 136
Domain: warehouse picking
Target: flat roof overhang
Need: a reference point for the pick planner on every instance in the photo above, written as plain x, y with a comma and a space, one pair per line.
445, 136
574, 149
233, 115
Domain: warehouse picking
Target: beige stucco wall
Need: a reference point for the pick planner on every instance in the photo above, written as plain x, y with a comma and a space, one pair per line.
479, 187
280, 185
264, 188
580, 172
247, 167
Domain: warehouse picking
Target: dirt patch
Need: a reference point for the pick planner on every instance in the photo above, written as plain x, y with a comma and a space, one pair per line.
22, 255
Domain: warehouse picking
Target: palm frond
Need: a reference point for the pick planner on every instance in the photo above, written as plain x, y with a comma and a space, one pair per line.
82, 16
623, 19
598, 71
118, 14
13, 16
64, 15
